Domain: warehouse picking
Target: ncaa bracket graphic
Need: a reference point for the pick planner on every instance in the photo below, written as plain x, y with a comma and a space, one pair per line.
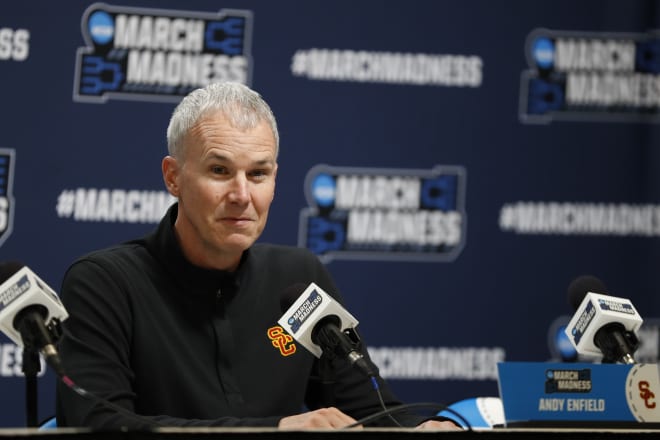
159, 55
384, 214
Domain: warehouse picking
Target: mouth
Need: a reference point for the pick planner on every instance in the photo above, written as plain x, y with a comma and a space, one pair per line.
237, 221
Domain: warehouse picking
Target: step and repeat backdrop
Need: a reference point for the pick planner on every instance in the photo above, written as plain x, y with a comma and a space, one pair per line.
455, 164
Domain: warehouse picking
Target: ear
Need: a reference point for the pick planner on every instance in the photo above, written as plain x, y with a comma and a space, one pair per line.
274, 181
171, 171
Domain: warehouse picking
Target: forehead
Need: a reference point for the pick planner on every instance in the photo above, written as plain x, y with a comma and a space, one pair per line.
214, 131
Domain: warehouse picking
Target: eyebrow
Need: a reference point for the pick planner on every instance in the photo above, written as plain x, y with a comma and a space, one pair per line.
223, 158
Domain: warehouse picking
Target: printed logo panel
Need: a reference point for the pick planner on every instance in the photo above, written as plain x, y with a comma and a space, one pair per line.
384, 214
589, 76
159, 55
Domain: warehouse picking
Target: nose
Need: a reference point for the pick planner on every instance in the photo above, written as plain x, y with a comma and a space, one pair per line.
239, 192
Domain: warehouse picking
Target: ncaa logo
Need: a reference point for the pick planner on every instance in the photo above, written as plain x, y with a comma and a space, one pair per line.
543, 51
323, 189
6, 193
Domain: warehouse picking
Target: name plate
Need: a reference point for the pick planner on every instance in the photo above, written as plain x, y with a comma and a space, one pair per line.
580, 392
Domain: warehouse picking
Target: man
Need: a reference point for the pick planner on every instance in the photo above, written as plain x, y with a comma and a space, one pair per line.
179, 328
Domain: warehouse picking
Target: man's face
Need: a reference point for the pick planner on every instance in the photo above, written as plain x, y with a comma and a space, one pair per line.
225, 183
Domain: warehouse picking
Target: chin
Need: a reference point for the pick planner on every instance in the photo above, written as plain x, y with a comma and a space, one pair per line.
238, 244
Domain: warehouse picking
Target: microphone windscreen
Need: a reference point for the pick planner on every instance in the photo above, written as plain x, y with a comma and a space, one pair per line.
9, 268
582, 285
290, 295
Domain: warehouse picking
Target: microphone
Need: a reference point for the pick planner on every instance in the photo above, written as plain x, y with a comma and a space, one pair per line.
320, 323
30, 312
602, 324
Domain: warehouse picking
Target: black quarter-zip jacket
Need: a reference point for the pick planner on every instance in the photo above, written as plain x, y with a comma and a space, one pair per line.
179, 345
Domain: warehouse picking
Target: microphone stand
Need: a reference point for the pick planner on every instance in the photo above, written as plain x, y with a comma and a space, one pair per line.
35, 335
31, 367
327, 378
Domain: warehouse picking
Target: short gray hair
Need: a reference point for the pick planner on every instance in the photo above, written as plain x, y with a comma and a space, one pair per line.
244, 108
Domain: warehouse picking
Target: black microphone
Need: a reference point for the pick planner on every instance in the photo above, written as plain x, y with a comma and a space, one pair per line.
322, 325
602, 324
581, 285
30, 312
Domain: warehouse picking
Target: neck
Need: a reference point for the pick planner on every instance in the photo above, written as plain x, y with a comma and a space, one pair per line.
201, 256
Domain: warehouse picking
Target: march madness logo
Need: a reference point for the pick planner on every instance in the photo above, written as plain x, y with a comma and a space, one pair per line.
384, 214
6, 193
591, 76
159, 55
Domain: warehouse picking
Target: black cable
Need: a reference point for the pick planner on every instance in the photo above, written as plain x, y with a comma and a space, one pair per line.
90, 396
389, 411
363, 421
399, 408
66, 380
374, 382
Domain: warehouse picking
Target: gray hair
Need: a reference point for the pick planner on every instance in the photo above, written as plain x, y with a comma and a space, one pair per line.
244, 108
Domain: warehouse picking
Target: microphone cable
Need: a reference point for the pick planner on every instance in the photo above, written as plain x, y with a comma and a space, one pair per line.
390, 411
374, 382
399, 408
66, 380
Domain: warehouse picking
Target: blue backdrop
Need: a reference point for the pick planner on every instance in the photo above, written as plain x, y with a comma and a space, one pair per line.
455, 164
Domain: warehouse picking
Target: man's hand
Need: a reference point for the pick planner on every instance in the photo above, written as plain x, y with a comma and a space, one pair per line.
438, 425
324, 418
